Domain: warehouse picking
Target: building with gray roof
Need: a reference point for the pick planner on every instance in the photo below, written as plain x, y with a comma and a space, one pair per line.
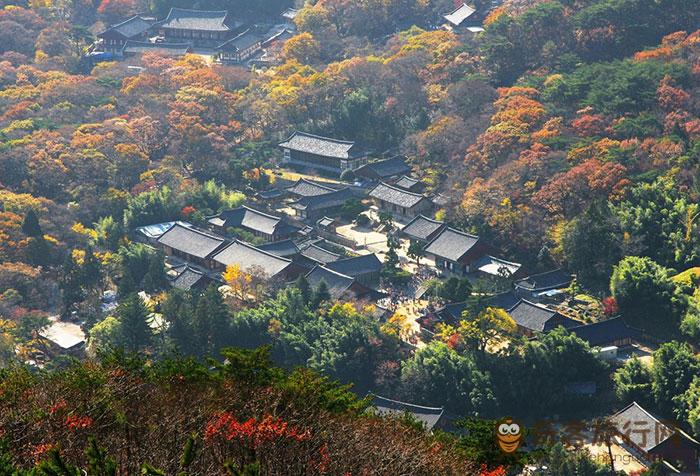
284, 248
535, 285
308, 188
657, 439
191, 279
455, 251
339, 285
410, 184
240, 48
395, 200
460, 16
256, 261
264, 225
492, 268
135, 48
422, 229
606, 333
533, 318
382, 170
315, 254
430, 417
318, 206
364, 268
322, 153
136, 28
202, 28
190, 244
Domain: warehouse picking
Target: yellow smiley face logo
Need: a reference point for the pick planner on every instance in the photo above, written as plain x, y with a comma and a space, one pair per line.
508, 435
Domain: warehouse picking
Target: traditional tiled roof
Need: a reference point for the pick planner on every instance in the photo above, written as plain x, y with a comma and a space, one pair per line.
338, 284
322, 146
132, 27
325, 222
428, 416
396, 196
191, 241
504, 300
440, 200
307, 188
284, 248
385, 169
452, 312
451, 244
641, 428
537, 317
290, 13
166, 49
241, 42
190, 278
281, 36
184, 19
356, 266
496, 267
269, 194
319, 255
605, 332
422, 228
325, 201
554, 279
248, 257
407, 183
458, 16
246, 217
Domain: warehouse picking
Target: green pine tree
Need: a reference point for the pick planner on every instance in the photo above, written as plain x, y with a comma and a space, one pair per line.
135, 332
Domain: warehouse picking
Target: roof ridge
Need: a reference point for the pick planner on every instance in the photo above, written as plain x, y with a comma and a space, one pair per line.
248, 245
406, 403
316, 136
354, 257
155, 45
322, 249
225, 12
196, 230
618, 318
464, 4
245, 32
460, 232
260, 213
496, 258
420, 215
331, 271
543, 273
133, 17
399, 189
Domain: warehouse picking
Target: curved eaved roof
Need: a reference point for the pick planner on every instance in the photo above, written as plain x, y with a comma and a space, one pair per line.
184, 19
319, 145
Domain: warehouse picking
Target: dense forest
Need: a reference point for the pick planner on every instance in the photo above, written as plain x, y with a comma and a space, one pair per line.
567, 134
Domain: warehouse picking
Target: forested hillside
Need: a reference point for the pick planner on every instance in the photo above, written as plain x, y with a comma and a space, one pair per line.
565, 134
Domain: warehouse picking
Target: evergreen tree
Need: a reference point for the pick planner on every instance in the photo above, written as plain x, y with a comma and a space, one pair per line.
30, 225
38, 251
91, 271
155, 279
321, 294
304, 288
70, 285
177, 311
211, 321
135, 332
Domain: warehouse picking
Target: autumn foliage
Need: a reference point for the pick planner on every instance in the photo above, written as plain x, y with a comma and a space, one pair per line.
244, 413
